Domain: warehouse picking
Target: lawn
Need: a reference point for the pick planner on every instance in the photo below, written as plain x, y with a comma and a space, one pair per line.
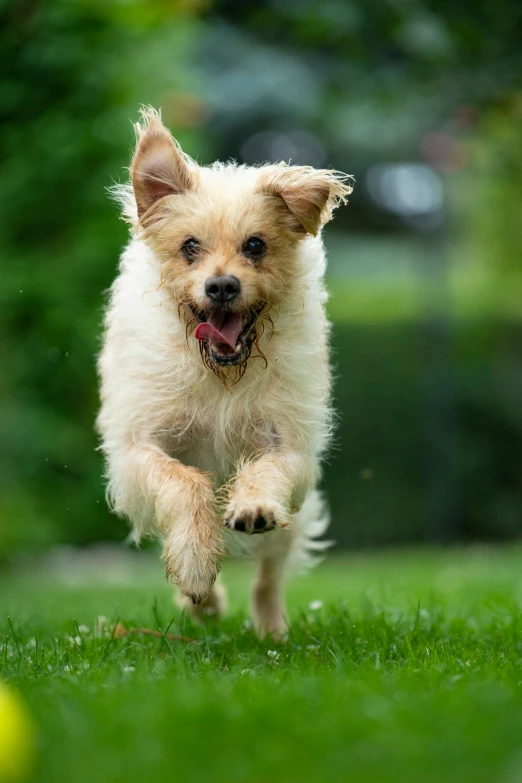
400, 666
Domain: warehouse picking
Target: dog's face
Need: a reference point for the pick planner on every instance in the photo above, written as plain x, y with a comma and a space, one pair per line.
227, 237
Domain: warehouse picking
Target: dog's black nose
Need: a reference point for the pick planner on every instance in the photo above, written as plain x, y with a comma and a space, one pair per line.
222, 288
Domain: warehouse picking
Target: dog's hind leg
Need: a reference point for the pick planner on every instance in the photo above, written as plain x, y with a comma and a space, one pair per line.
268, 605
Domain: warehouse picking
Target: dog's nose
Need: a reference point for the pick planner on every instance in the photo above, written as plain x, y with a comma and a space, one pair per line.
222, 288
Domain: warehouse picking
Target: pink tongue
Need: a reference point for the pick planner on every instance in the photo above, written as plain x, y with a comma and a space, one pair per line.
220, 330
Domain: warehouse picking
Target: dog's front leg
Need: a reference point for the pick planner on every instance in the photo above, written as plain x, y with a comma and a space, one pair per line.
184, 511
266, 491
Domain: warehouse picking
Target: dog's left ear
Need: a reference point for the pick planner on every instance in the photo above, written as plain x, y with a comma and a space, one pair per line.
310, 195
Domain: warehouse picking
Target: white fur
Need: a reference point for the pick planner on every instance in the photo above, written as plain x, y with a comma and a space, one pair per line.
261, 439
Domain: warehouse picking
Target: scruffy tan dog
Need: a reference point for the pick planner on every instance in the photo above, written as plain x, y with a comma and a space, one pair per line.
215, 378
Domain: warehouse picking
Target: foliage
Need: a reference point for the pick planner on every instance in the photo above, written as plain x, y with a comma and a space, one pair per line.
491, 193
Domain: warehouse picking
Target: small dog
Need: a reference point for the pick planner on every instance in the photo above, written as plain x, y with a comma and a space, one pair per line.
215, 381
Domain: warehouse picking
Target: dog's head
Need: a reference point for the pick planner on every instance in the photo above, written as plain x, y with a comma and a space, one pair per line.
227, 236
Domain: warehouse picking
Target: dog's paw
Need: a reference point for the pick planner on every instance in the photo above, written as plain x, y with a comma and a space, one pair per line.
275, 627
211, 607
193, 572
198, 585
256, 519
269, 611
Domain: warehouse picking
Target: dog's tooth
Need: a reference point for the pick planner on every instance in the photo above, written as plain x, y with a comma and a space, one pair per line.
238, 347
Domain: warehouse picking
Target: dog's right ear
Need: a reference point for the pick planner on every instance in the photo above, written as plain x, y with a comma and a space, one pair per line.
159, 167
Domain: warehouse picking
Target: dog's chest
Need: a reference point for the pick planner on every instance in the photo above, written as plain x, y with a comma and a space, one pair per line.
215, 434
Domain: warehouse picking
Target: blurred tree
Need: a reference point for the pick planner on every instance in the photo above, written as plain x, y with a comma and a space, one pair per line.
370, 77
492, 192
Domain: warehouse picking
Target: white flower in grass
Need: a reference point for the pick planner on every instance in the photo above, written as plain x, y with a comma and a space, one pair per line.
272, 654
312, 646
75, 640
84, 629
128, 669
314, 606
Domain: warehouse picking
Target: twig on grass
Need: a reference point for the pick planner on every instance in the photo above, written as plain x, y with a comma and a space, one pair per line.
120, 631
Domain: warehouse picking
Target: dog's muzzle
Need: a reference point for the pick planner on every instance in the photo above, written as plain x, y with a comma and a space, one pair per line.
227, 334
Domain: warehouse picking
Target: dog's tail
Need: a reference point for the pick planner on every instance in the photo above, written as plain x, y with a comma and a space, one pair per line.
311, 522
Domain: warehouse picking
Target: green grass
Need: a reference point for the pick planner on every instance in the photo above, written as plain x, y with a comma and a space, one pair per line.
411, 671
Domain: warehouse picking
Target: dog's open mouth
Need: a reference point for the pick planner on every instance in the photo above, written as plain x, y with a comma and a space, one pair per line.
228, 334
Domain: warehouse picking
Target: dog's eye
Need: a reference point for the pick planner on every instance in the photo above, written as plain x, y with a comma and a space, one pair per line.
254, 248
190, 249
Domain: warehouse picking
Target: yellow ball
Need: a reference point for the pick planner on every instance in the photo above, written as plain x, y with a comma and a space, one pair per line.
16, 737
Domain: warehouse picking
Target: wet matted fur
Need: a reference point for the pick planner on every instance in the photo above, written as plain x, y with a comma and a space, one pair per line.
205, 433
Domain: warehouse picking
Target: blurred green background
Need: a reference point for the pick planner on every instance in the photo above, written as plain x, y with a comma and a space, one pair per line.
421, 101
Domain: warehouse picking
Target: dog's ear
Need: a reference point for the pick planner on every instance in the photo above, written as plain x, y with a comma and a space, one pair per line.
159, 167
309, 194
